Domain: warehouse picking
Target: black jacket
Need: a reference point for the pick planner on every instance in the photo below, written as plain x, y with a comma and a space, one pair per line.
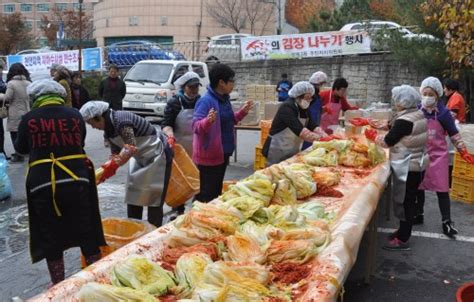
83, 96
113, 95
174, 106
288, 116
50, 130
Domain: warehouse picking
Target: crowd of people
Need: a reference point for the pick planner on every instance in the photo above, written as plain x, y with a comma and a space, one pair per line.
47, 121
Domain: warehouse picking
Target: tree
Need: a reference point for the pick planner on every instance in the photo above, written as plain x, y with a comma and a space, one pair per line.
70, 20
14, 33
237, 14
228, 13
456, 20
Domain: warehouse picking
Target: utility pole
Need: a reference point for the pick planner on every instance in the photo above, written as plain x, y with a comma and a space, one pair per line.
279, 17
80, 36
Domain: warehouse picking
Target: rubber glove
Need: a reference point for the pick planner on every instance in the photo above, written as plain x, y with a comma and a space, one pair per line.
327, 138
467, 157
110, 168
171, 141
358, 121
370, 134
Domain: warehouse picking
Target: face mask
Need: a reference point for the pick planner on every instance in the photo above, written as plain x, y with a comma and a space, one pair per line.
304, 104
428, 101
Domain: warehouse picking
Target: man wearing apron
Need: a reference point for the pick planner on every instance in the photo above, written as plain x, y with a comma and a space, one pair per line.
292, 125
440, 122
133, 139
333, 101
63, 207
407, 139
318, 79
178, 117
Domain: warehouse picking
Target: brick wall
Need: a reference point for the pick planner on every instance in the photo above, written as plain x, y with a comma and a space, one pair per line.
370, 77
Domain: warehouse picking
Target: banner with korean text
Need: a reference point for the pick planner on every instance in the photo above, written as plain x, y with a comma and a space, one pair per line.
323, 44
41, 62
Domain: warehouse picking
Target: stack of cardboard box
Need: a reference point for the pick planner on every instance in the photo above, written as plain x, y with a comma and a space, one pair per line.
266, 96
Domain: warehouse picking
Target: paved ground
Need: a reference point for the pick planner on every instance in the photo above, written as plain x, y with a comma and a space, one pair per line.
431, 271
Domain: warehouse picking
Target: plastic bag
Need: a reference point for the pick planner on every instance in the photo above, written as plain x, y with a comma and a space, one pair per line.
5, 184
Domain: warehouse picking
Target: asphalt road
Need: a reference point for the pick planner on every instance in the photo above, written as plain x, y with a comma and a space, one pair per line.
432, 271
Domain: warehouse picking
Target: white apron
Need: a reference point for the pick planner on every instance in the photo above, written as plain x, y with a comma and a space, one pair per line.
183, 129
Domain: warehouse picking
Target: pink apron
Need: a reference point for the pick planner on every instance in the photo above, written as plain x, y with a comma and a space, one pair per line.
436, 177
330, 119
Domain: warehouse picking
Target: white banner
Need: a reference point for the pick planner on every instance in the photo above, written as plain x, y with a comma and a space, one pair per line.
323, 44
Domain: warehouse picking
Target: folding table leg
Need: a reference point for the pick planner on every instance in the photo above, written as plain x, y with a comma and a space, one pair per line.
388, 198
371, 248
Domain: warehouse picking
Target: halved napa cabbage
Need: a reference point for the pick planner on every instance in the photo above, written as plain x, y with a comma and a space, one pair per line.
298, 251
258, 188
241, 247
285, 193
300, 176
142, 274
322, 158
189, 272
246, 205
314, 210
376, 154
95, 292
262, 233
339, 145
286, 217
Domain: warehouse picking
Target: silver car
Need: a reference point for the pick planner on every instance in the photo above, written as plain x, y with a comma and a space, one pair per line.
225, 48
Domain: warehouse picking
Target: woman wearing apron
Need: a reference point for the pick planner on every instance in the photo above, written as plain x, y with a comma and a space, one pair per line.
406, 139
440, 122
292, 125
178, 118
133, 139
315, 109
333, 101
63, 207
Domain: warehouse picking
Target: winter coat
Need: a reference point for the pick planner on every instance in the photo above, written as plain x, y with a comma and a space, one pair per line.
17, 100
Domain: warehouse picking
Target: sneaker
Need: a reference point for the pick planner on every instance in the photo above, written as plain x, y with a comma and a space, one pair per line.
393, 235
16, 158
419, 219
449, 229
397, 245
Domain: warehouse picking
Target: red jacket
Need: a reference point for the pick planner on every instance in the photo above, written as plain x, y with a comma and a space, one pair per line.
334, 99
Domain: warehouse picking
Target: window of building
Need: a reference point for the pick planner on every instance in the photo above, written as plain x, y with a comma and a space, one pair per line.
26, 8
38, 24
9, 8
29, 24
76, 6
42, 7
61, 6
133, 21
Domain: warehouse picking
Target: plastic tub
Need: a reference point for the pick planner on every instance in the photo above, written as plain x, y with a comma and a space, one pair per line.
465, 293
184, 181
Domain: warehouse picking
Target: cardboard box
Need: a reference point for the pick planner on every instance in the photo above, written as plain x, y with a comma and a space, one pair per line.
260, 96
250, 88
270, 89
260, 89
270, 95
250, 95
381, 114
270, 110
352, 130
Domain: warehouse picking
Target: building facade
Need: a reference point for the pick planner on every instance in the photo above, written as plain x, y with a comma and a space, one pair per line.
163, 21
34, 10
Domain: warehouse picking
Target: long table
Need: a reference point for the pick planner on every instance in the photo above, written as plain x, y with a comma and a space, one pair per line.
356, 212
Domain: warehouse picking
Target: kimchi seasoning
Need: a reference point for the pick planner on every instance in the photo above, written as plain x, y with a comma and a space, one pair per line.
328, 192
171, 255
289, 272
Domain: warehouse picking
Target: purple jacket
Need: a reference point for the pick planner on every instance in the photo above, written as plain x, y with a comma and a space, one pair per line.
207, 142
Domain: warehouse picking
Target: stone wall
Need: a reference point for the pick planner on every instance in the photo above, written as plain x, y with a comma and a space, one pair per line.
370, 77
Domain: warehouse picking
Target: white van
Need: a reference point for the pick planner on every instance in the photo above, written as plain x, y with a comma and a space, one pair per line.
150, 85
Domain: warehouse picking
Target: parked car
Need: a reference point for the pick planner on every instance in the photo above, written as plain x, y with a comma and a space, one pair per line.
34, 51
150, 85
224, 48
127, 53
373, 26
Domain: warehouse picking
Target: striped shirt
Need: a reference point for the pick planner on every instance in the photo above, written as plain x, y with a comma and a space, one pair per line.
141, 127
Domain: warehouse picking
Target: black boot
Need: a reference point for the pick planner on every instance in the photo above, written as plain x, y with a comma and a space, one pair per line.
449, 229
56, 270
93, 258
419, 219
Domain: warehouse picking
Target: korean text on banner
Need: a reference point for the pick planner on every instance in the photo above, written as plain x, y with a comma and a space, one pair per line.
323, 44
41, 62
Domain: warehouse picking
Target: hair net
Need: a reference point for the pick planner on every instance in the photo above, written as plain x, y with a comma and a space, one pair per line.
185, 78
405, 96
432, 83
93, 109
318, 77
301, 88
45, 86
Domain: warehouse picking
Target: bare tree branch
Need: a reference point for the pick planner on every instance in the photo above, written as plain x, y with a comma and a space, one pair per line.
228, 13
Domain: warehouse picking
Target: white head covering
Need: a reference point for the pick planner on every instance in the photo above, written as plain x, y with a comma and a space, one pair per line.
301, 88
432, 83
318, 77
186, 78
45, 86
405, 96
93, 109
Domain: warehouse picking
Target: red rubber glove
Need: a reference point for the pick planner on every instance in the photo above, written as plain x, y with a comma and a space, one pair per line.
370, 134
110, 168
327, 110
358, 121
327, 138
172, 141
467, 157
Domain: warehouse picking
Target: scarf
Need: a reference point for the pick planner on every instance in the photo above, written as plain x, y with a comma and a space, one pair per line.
47, 99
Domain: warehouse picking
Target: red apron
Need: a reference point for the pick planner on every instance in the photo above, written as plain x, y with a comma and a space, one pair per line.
330, 119
436, 177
